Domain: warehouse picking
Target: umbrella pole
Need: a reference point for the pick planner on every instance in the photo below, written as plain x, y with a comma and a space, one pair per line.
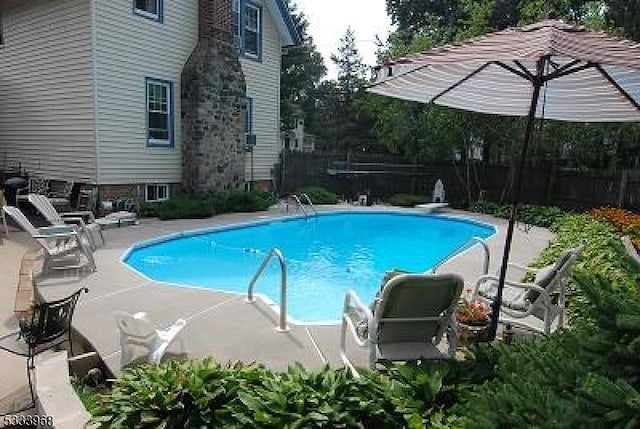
495, 307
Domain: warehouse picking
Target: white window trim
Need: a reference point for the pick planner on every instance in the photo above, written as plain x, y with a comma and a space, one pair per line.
156, 142
157, 186
147, 14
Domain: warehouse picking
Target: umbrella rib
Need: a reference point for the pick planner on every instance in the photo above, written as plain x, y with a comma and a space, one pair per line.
525, 75
566, 71
526, 71
620, 89
475, 72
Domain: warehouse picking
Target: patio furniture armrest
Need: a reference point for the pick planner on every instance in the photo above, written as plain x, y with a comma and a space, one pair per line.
522, 267
56, 232
78, 221
452, 336
81, 213
22, 190
352, 302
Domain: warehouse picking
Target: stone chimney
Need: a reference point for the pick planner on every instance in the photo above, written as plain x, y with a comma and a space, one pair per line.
213, 88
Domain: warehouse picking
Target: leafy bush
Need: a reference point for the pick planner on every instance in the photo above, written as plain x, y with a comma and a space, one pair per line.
625, 221
206, 394
185, 207
543, 216
587, 377
318, 195
244, 202
407, 200
204, 206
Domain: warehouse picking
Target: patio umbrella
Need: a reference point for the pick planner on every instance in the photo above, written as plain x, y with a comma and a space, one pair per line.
546, 70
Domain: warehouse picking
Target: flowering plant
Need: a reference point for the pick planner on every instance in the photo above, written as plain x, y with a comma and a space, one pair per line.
472, 312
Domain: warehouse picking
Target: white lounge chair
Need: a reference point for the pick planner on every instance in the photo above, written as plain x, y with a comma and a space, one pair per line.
57, 242
35, 185
408, 321
89, 228
539, 305
438, 199
138, 330
3, 203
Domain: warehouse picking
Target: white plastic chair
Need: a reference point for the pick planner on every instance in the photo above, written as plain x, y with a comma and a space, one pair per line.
88, 228
438, 199
57, 242
138, 330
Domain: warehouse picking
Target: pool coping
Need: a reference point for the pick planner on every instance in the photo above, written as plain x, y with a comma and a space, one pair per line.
270, 303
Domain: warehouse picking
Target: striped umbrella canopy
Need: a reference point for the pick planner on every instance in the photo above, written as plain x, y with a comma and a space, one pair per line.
548, 70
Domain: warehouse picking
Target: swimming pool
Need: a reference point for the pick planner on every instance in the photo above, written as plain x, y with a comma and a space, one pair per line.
326, 255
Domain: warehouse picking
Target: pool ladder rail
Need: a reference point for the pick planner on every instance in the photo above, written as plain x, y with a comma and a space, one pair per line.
282, 326
467, 245
300, 205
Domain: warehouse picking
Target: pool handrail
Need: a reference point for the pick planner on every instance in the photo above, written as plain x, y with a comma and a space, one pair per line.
298, 204
308, 199
283, 326
478, 240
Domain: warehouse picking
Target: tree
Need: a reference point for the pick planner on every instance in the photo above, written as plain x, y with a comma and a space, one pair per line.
351, 69
301, 72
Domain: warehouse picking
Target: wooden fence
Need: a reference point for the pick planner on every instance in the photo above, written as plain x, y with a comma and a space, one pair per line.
385, 175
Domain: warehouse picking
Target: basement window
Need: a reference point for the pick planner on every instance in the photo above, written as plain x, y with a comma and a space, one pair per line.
151, 9
157, 192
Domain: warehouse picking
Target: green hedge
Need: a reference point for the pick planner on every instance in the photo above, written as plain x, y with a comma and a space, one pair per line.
543, 216
318, 195
207, 205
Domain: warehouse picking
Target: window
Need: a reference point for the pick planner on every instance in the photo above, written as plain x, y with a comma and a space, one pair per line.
157, 192
235, 18
151, 9
252, 30
159, 113
247, 114
1, 31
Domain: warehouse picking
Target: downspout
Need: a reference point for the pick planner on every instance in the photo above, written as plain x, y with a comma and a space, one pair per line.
94, 55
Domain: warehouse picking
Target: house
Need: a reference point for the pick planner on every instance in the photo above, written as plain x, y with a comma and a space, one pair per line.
296, 139
143, 97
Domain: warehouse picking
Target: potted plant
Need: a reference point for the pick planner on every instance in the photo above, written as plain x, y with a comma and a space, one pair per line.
473, 319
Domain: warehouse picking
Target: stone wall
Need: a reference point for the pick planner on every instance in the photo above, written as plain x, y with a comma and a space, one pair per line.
213, 88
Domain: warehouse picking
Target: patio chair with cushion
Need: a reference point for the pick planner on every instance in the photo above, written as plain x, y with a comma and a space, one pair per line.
35, 185
48, 326
407, 322
58, 243
137, 330
537, 305
84, 220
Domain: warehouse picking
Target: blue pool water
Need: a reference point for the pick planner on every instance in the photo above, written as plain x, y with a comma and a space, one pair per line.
326, 256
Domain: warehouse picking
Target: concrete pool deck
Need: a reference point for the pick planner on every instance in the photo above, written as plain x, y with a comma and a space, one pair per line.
223, 325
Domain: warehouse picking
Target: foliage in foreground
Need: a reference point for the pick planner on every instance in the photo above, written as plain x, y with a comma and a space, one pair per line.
588, 376
318, 195
204, 393
207, 205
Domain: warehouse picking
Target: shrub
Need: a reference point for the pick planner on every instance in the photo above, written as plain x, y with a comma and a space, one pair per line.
625, 221
206, 205
407, 200
318, 195
239, 201
185, 207
543, 216
206, 394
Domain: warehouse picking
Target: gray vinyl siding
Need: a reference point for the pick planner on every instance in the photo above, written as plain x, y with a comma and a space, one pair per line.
46, 95
263, 86
129, 49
